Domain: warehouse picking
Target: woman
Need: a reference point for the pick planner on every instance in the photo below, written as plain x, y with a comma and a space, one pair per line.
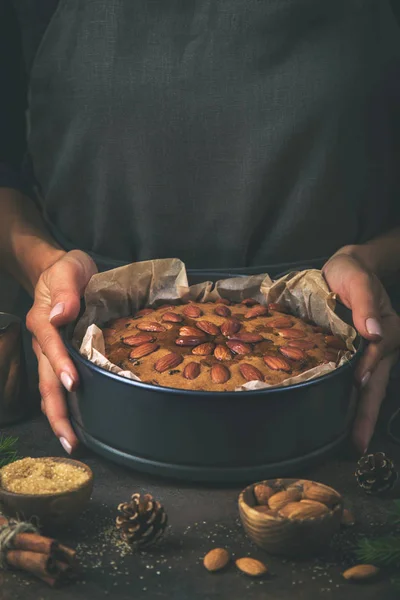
240, 136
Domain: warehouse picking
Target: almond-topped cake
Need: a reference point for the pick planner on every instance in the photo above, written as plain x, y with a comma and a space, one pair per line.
217, 346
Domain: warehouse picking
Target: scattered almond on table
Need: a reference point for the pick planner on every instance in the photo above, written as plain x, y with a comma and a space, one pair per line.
251, 567
361, 573
216, 560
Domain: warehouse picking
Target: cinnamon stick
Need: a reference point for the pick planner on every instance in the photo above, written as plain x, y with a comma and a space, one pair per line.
43, 557
65, 554
41, 565
32, 542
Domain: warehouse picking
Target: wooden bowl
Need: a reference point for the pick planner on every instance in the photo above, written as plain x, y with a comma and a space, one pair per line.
288, 535
50, 511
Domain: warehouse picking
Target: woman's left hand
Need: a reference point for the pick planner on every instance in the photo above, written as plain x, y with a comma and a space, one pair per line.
375, 319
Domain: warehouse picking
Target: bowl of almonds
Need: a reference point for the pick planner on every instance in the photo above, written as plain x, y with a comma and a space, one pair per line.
290, 517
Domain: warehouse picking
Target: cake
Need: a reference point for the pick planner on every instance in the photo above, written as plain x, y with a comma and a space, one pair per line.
219, 346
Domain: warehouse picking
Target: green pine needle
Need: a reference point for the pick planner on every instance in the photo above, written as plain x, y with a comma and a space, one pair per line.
382, 552
8, 452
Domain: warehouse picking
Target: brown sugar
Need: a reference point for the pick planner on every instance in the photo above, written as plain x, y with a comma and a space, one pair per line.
41, 476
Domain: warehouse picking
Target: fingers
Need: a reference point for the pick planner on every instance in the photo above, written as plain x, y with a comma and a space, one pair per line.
66, 282
359, 290
54, 404
364, 293
371, 397
52, 347
368, 362
57, 301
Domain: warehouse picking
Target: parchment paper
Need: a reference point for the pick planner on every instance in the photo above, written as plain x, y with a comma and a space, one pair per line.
122, 291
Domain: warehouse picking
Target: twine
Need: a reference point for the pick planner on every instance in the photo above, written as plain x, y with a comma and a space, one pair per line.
8, 531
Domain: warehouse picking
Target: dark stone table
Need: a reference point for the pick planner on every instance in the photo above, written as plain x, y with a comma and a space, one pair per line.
200, 518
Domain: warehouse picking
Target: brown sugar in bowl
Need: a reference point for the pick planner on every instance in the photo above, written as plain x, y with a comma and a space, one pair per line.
50, 510
297, 525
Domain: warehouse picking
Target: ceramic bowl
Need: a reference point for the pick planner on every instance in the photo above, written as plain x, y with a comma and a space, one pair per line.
284, 535
50, 511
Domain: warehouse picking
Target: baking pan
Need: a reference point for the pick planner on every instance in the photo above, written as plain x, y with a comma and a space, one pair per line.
226, 437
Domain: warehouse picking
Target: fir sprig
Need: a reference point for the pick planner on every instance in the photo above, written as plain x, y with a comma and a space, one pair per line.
383, 551
8, 449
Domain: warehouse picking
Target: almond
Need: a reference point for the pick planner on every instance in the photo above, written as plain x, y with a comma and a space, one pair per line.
204, 349
279, 500
247, 337
138, 339
274, 307
208, 327
251, 567
166, 307
143, 350
361, 573
144, 312
291, 334
276, 363
292, 353
220, 374
302, 344
321, 493
223, 301
171, 317
264, 510
151, 326
256, 311
262, 493
230, 327
250, 373
169, 361
189, 341
192, 370
222, 353
238, 347
192, 311
222, 311
216, 560
348, 519
280, 323
331, 356
317, 329
188, 331
303, 510
249, 302
335, 342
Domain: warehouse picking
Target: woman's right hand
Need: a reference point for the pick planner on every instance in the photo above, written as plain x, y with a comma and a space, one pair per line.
57, 302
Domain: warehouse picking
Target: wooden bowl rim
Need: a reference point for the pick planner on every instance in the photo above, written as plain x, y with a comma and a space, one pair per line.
79, 488
243, 505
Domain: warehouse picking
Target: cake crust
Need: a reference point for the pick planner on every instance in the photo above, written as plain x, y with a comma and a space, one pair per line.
217, 347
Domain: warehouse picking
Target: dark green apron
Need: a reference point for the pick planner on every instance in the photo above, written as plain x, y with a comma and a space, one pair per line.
237, 135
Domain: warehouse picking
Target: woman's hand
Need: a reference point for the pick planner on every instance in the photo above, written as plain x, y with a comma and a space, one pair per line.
57, 302
360, 290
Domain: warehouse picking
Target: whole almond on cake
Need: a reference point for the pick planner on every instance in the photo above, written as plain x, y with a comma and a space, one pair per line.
214, 347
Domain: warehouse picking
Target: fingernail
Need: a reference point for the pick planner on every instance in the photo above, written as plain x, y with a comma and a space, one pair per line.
58, 309
365, 378
373, 327
66, 445
67, 381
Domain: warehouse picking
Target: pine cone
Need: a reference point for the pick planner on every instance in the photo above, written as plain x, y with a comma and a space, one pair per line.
376, 473
142, 521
